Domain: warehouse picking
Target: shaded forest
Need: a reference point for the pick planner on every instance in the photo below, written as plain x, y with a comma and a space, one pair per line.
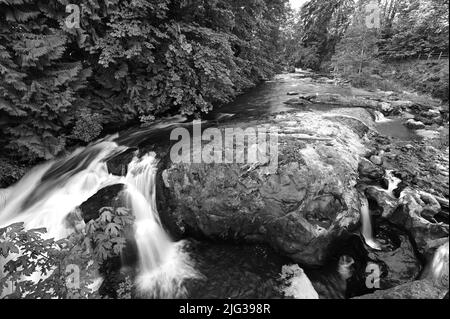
332, 36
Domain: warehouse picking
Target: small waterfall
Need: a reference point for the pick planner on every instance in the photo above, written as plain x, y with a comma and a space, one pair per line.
367, 225
43, 200
437, 270
50, 192
163, 266
380, 118
393, 182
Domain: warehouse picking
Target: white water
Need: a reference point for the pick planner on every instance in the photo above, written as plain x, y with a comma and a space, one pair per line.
393, 182
367, 225
296, 284
162, 264
367, 230
380, 118
437, 270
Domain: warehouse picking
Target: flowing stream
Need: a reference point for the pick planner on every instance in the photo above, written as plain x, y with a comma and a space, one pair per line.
46, 196
367, 230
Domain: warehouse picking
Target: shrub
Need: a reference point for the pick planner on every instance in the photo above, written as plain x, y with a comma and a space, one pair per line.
29, 252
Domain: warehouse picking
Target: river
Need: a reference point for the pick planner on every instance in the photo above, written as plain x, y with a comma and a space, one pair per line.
169, 268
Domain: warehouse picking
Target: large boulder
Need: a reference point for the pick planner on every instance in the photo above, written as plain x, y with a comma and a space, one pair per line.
118, 164
109, 196
369, 170
300, 209
414, 125
438, 268
381, 197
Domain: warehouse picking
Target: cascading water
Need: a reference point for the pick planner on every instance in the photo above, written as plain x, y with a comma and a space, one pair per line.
393, 182
367, 231
163, 266
367, 225
45, 197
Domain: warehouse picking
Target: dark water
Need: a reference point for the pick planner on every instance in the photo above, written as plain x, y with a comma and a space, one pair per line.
236, 272
266, 98
395, 128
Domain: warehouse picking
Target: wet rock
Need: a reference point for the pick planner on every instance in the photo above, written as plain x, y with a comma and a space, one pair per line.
301, 208
385, 201
414, 125
419, 166
386, 107
428, 134
358, 125
430, 205
431, 113
420, 289
437, 270
110, 196
401, 105
411, 216
377, 160
368, 169
118, 165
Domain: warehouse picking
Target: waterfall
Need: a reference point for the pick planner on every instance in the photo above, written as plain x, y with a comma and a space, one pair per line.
380, 118
393, 182
50, 192
367, 225
437, 269
367, 230
163, 266
45, 196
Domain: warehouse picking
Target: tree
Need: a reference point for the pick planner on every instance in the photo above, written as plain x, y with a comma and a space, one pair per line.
356, 53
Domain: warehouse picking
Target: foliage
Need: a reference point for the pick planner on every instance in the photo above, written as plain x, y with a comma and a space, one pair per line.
409, 28
416, 28
10, 172
320, 25
131, 60
30, 254
356, 53
88, 126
